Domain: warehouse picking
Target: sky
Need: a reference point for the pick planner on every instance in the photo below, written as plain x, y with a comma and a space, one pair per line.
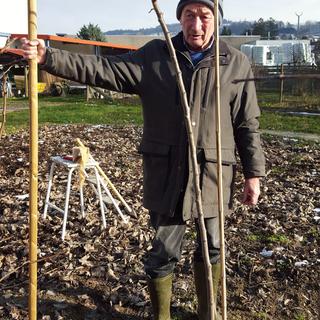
68, 16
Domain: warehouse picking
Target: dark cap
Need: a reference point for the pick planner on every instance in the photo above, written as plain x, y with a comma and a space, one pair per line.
208, 3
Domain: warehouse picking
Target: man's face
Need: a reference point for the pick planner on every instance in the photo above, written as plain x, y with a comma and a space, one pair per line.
197, 22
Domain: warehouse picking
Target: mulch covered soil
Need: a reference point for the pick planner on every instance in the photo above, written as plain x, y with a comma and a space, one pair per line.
273, 257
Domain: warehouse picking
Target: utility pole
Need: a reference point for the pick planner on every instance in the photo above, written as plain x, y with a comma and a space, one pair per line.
298, 27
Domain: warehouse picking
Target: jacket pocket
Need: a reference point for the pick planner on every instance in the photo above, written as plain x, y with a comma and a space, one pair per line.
153, 148
209, 179
227, 155
209, 183
156, 170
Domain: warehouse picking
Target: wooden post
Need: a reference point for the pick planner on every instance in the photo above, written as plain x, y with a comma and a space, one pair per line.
281, 84
88, 95
33, 191
194, 163
219, 160
4, 110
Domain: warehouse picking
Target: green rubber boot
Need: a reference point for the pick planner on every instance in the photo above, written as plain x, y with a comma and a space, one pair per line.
160, 290
201, 289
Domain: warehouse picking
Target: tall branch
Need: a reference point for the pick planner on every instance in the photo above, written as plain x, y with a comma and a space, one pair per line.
194, 163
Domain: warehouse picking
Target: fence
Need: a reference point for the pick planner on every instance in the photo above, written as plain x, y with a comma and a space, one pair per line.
295, 87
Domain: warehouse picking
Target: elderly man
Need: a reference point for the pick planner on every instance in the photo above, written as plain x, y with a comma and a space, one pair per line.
168, 185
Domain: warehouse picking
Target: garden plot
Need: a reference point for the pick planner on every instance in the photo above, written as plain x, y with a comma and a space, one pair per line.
273, 262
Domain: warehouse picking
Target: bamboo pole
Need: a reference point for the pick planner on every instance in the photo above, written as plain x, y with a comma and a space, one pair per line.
195, 168
219, 160
33, 206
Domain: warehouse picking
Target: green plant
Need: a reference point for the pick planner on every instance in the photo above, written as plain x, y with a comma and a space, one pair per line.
191, 235
261, 315
299, 317
278, 169
253, 237
315, 232
278, 238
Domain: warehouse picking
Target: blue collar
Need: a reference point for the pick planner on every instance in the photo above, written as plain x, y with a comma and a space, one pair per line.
197, 56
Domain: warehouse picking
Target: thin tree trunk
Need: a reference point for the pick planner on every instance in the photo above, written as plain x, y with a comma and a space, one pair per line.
195, 168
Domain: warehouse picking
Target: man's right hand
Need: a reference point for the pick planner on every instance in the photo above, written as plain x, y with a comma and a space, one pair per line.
34, 49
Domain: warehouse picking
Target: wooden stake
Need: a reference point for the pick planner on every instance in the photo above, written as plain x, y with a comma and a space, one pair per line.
33, 209
4, 110
281, 84
113, 188
219, 160
194, 163
88, 96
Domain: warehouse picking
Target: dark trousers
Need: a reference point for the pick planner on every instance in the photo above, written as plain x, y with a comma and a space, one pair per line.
167, 243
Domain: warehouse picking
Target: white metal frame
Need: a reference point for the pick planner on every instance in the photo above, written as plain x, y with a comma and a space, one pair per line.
95, 185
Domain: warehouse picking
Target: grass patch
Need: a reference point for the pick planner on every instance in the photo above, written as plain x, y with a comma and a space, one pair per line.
271, 99
74, 109
280, 239
285, 122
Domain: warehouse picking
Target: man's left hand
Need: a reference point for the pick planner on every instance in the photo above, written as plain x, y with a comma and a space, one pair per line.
251, 191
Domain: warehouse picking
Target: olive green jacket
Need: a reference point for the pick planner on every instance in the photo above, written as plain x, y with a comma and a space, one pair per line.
149, 73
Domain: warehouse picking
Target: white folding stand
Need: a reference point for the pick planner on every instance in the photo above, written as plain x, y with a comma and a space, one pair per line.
96, 186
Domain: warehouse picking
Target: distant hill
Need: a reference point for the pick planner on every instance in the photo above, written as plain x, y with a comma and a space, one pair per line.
174, 28
236, 28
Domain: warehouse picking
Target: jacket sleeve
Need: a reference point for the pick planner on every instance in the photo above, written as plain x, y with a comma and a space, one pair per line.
120, 73
246, 126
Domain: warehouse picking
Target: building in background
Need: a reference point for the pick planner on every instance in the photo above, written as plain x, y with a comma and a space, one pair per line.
277, 52
47, 82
